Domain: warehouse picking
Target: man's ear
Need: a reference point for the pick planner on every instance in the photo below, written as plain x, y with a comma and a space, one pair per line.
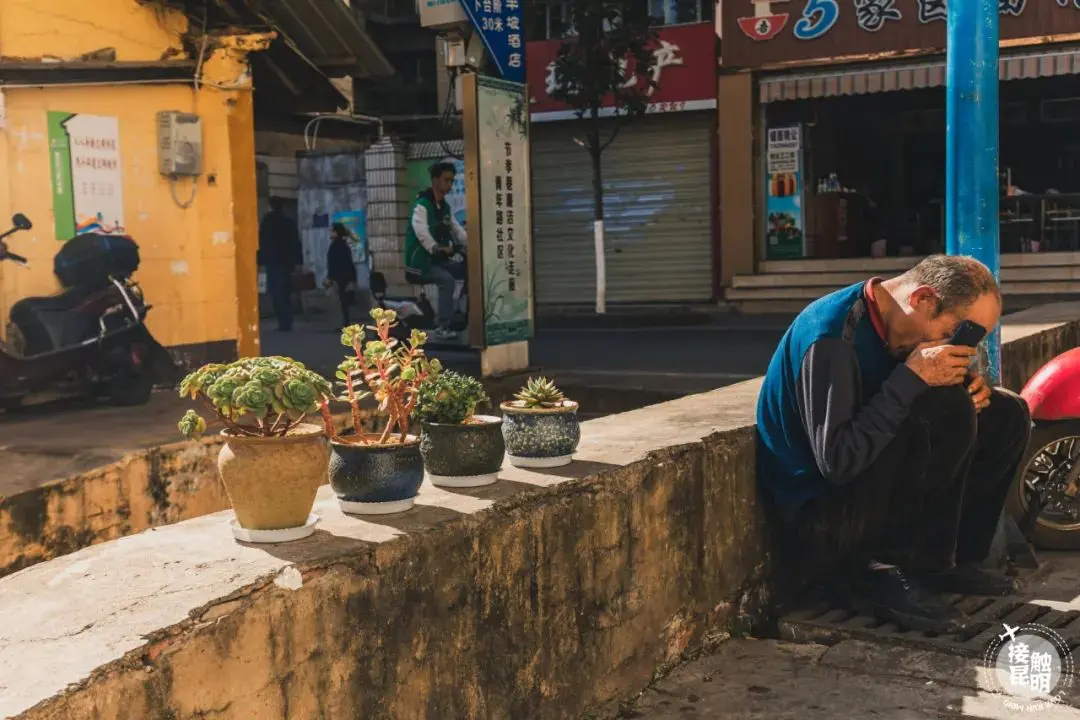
924, 298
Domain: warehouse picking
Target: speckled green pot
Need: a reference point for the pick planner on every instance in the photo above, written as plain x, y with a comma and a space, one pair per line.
459, 456
541, 437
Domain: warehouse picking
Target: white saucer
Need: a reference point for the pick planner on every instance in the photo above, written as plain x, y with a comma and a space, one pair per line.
547, 462
375, 508
274, 536
463, 481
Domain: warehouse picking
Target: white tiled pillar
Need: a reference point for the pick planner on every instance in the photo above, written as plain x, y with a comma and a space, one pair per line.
388, 211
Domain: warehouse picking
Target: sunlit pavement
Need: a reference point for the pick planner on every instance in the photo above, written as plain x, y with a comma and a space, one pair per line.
770, 679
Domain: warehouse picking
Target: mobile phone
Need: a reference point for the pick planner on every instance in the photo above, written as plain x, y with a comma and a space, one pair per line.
969, 334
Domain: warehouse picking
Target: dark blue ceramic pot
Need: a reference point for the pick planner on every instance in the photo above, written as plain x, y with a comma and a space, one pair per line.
541, 437
376, 479
467, 455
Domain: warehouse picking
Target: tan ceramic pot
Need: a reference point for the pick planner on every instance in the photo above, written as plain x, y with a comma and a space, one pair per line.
272, 482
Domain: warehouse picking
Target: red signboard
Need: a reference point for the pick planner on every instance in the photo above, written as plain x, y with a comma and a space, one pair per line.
685, 72
760, 33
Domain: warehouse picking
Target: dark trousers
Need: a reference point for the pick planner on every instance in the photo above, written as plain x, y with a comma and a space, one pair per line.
933, 496
345, 297
279, 285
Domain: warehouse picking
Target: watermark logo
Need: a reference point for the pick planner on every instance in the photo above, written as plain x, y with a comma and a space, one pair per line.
1031, 665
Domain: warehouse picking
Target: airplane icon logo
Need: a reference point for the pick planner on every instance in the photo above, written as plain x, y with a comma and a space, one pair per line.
1010, 632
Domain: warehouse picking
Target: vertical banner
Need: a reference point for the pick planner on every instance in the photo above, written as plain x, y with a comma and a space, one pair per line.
87, 181
499, 198
501, 25
784, 194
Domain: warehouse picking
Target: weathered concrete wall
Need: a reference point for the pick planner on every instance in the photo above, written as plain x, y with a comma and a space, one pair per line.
159, 486
1031, 337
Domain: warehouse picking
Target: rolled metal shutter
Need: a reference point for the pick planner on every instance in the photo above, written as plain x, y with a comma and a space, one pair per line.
658, 219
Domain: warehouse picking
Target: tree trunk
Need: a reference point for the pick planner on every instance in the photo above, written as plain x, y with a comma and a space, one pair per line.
598, 213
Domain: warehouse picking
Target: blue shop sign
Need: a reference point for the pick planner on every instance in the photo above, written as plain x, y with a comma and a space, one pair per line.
502, 28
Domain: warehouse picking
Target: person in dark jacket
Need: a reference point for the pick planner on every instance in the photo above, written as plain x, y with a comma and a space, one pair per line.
885, 458
340, 270
280, 252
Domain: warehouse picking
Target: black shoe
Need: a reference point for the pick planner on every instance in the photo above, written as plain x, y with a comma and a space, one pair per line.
967, 579
887, 594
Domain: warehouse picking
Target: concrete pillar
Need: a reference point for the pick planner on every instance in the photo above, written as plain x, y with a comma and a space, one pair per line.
388, 206
737, 180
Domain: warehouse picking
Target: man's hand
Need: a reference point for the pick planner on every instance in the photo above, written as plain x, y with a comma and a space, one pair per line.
940, 365
446, 249
980, 392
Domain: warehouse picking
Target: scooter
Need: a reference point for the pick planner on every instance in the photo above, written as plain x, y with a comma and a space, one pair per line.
90, 340
1045, 499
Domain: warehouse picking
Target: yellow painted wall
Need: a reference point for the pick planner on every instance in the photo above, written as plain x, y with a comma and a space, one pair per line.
69, 28
193, 260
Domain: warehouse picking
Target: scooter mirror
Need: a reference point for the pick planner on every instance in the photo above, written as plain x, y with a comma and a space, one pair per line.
21, 222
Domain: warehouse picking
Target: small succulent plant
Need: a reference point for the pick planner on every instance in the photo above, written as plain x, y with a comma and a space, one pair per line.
255, 397
392, 372
539, 393
449, 398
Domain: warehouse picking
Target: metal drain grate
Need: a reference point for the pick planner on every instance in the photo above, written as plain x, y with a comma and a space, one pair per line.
828, 625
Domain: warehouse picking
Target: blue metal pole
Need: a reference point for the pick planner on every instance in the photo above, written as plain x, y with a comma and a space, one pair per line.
971, 141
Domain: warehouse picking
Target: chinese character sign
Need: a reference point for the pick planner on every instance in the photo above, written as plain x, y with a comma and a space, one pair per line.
683, 59
87, 181
760, 33
505, 211
501, 26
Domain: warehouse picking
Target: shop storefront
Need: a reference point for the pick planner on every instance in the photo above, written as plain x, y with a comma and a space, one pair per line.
658, 184
852, 153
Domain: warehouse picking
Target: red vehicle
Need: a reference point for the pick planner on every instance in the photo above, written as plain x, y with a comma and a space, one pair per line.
1045, 500
88, 340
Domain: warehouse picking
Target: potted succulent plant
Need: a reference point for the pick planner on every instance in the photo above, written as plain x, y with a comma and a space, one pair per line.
540, 426
272, 462
460, 449
379, 473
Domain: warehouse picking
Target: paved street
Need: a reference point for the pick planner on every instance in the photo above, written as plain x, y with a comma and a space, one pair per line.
681, 359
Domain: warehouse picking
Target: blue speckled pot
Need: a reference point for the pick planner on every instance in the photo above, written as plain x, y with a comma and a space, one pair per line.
541, 437
374, 479
463, 455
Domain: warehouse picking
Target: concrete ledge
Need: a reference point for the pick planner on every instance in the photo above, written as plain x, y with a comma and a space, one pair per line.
540, 596
166, 483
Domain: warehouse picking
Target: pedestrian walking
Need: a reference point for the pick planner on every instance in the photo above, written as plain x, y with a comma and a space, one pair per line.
280, 252
340, 270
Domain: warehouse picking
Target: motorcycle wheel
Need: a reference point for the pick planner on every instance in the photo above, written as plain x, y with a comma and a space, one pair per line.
1054, 450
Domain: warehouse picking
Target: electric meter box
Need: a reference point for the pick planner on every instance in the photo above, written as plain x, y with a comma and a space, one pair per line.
179, 143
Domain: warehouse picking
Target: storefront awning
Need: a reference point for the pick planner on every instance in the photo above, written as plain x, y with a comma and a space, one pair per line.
909, 76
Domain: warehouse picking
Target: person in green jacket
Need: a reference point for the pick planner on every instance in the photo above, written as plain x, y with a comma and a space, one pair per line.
435, 246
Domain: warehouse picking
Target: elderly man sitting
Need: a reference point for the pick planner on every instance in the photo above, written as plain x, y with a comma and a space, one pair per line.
887, 458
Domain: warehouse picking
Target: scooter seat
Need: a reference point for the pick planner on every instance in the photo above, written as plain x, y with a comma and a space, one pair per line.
61, 302
47, 323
